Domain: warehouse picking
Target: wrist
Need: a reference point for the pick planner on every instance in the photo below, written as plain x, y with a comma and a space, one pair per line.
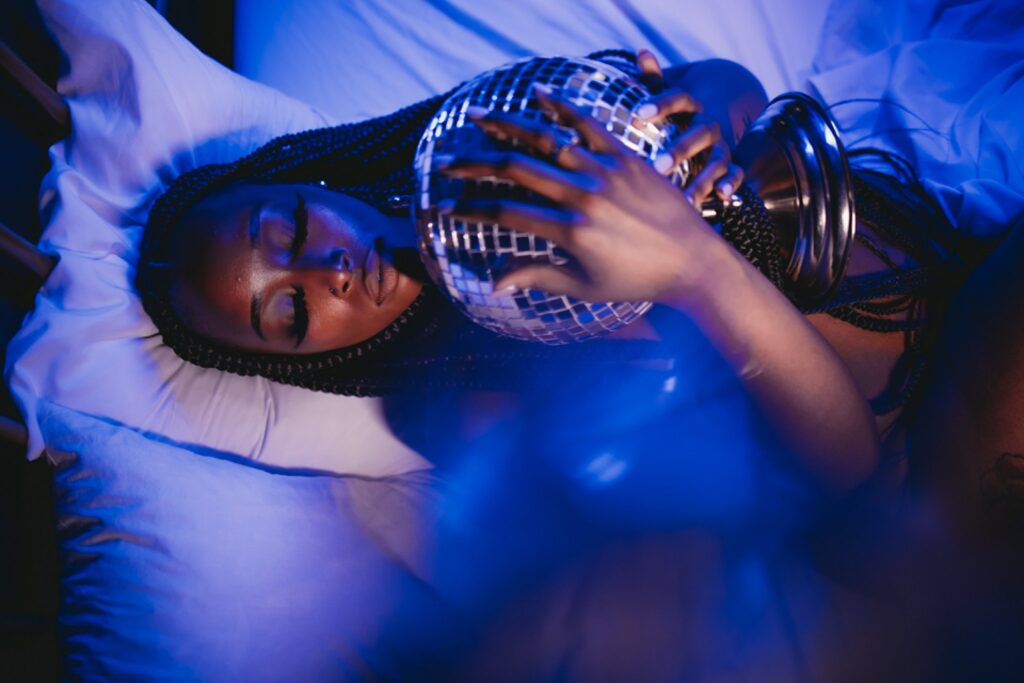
713, 274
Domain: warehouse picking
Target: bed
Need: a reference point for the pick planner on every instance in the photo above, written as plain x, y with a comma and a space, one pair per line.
163, 470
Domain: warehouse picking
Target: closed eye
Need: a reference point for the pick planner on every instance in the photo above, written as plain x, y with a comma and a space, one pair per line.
301, 217
300, 314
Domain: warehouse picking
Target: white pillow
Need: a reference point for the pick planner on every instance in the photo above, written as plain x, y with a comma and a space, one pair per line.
147, 106
183, 565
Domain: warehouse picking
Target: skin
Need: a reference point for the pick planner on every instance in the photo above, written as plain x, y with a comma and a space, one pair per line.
250, 277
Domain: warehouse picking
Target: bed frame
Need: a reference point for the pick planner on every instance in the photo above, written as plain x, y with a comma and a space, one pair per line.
41, 114
32, 117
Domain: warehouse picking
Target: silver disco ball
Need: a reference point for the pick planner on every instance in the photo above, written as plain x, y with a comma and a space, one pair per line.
466, 258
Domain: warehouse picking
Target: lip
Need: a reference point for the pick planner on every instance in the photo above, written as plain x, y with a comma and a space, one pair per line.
379, 277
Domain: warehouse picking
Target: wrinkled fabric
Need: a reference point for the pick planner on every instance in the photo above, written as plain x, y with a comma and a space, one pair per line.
186, 565
941, 84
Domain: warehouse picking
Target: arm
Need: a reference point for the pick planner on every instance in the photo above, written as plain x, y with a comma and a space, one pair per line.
635, 237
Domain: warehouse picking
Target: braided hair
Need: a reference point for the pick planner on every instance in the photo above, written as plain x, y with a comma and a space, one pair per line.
430, 343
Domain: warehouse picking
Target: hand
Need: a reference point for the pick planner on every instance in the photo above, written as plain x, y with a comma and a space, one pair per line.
701, 135
633, 235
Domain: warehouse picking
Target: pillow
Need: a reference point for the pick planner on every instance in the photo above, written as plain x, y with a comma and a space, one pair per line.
147, 106
183, 565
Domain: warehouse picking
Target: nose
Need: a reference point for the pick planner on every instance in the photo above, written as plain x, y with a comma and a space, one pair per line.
330, 270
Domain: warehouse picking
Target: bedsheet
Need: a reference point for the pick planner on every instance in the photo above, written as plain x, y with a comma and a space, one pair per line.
362, 58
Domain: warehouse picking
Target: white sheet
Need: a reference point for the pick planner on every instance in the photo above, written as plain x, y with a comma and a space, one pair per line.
180, 565
362, 58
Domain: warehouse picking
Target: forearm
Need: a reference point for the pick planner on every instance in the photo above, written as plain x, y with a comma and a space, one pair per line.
793, 374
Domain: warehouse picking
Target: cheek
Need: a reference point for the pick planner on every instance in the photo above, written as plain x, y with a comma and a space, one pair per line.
336, 324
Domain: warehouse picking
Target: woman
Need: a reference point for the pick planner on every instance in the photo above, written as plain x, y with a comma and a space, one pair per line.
290, 264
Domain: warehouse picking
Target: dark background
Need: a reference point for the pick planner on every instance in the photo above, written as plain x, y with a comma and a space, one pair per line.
29, 587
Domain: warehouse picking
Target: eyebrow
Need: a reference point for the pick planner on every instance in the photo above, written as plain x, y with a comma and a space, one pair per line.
254, 315
254, 225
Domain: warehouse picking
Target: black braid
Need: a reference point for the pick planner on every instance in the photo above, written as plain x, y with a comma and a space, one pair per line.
749, 229
910, 299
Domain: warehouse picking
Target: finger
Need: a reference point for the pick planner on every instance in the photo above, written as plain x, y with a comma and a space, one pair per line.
694, 141
730, 182
540, 136
544, 278
668, 104
550, 223
592, 131
562, 186
699, 189
650, 70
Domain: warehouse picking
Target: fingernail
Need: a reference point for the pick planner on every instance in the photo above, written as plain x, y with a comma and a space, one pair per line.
543, 89
506, 289
647, 110
726, 189
664, 163
476, 112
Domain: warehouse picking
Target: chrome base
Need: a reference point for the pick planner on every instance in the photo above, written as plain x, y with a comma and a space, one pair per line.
793, 159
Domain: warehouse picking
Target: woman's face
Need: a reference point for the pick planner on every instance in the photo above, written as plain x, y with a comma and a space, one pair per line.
289, 269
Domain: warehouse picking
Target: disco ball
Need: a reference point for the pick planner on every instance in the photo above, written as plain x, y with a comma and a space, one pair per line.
465, 258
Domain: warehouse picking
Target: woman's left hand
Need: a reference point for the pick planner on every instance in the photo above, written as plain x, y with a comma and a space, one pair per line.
702, 136
633, 234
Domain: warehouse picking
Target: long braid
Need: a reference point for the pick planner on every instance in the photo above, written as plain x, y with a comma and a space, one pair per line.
751, 233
